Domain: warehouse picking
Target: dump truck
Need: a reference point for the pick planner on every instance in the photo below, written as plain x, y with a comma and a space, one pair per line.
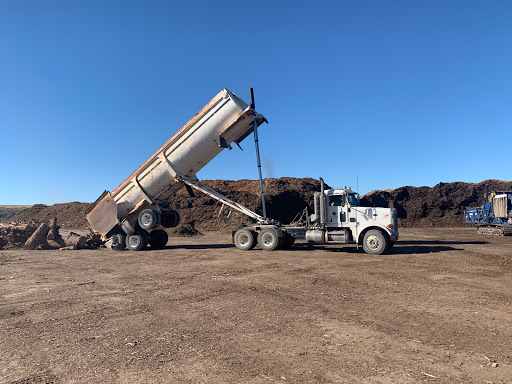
494, 216
130, 215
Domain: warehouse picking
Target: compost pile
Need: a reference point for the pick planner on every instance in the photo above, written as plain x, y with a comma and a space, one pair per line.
69, 215
284, 198
440, 206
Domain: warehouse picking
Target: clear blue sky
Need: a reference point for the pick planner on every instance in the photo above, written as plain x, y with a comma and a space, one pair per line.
391, 93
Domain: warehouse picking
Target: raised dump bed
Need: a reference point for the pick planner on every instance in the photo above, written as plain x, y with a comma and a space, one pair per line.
142, 200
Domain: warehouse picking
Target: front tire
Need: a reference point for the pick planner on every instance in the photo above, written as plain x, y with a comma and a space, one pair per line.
244, 239
268, 239
375, 242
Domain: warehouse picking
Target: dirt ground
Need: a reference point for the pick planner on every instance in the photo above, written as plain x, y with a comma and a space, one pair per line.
436, 310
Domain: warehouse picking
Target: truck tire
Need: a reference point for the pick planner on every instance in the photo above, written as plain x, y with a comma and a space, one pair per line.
118, 242
171, 219
137, 241
149, 219
158, 239
375, 242
268, 239
244, 239
289, 240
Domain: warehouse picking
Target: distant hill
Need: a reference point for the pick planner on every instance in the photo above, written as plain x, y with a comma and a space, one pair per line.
8, 211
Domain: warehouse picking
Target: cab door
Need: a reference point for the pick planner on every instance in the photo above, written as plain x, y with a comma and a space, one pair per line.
336, 211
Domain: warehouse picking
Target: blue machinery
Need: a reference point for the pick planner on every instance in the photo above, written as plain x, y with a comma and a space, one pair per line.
494, 217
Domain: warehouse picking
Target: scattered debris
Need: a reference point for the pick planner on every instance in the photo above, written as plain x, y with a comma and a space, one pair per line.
37, 237
44, 236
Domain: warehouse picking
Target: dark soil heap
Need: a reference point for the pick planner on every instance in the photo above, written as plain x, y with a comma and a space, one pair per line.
284, 198
440, 206
69, 215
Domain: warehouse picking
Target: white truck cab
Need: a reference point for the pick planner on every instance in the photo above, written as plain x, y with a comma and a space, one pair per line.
338, 218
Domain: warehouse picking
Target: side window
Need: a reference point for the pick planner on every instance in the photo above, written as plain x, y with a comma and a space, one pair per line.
336, 201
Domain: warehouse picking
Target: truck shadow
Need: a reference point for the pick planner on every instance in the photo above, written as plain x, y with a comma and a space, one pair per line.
401, 248
438, 242
420, 249
200, 246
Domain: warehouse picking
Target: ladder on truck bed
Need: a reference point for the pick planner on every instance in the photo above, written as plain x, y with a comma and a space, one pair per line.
196, 184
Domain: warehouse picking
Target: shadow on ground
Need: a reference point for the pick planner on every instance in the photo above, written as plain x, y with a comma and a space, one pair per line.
401, 248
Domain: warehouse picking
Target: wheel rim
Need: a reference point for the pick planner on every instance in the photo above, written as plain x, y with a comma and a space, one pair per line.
243, 239
146, 219
134, 241
267, 239
373, 242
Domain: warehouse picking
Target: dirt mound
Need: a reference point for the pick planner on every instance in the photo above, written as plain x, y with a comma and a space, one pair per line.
440, 206
284, 198
69, 215
15, 236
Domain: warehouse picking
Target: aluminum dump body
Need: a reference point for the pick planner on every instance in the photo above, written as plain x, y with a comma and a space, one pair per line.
225, 119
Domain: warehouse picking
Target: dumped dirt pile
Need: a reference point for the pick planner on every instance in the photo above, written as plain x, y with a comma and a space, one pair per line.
284, 198
14, 236
440, 206
69, 215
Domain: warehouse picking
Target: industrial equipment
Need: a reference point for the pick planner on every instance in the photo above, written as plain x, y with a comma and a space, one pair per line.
494, 217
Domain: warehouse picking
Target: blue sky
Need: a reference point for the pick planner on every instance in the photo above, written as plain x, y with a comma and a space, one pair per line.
389, 93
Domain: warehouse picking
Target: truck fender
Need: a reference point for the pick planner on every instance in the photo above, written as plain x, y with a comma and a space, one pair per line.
381, 228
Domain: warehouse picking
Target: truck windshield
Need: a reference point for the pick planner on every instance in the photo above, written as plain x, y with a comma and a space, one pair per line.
352, 199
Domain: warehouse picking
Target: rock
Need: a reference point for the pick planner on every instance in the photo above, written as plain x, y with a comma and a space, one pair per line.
37, 236
75, 240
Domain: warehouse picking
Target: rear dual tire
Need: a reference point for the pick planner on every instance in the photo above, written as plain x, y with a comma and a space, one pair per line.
269, 240
118, 242
158, 239
137, 241
244, 239
149, 219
